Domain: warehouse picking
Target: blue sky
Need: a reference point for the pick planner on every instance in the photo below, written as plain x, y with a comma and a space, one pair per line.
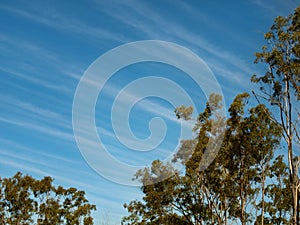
46, 47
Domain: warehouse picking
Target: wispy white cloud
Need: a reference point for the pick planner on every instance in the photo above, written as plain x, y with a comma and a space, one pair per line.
33, 49
36, 152
22, 163
34, 111
37, 81
29, 159
21, 158
53, 79
157, 26
63, 23
58, 133
73, 75
19, 166
276, 7
146, 105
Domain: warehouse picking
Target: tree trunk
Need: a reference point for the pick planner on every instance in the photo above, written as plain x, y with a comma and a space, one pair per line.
243, 213
262, 197
289, 139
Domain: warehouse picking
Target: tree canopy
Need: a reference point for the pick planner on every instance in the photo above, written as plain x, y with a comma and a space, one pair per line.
228, 189
25, 200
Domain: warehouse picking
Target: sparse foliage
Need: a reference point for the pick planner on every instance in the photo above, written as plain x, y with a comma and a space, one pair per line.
280, 86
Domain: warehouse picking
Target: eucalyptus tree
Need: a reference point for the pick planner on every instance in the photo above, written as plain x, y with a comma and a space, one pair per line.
280, 86
25, 200
221, 193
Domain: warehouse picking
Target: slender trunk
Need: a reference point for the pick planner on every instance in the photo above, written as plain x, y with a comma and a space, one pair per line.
242, 205
295, 205
297, 191
225, 217
293, 176
289, 139
242, 191
262, 197
243, 213
293, 180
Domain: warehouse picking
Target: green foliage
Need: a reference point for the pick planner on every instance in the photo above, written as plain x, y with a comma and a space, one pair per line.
282, 55
280, 86
228, 188
25, 200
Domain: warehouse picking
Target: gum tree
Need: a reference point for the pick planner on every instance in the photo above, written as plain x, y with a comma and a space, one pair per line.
221, 193
280, 86
25, 200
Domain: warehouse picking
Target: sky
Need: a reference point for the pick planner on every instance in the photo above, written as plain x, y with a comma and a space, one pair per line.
89, 88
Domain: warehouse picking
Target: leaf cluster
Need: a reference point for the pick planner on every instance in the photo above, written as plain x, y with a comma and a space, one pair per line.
25, 200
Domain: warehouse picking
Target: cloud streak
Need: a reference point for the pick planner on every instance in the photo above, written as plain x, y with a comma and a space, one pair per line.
40, 128
159, 27
277, 8
64, 24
